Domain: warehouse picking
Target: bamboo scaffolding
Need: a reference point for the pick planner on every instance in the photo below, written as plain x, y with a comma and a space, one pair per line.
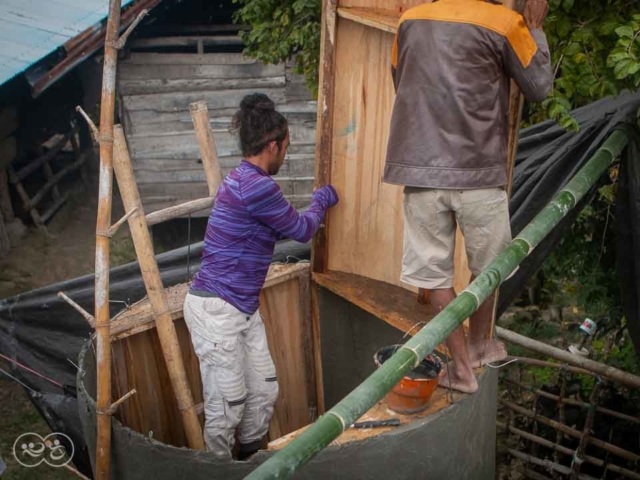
545, 463
562, 400
346, 412
620, 452
586, 433
101, 314
567, 451
598, 368
155, 290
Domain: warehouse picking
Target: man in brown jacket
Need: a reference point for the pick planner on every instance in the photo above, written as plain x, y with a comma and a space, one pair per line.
451, 65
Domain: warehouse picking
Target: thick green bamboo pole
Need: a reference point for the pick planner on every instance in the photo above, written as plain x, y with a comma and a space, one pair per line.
328, 427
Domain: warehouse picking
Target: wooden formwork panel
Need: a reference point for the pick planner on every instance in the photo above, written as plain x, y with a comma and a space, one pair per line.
138, 361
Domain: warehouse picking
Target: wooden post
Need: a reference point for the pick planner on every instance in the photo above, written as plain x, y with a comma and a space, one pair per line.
155, 290
101, 314
5, 244
207, 144
324, 122
24, 196
5, 198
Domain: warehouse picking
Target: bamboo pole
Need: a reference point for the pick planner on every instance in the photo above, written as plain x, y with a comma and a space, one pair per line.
155, 290
612, 373
101, 314
567, 451
578, 458
176, 211
620, 452
562, 400
207, 144
545, 463
285, 462
105, 182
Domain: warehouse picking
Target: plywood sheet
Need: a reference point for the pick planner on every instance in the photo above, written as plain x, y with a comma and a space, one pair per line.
365, 234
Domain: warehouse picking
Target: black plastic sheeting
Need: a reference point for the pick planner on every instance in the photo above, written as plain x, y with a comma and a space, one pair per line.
43, 332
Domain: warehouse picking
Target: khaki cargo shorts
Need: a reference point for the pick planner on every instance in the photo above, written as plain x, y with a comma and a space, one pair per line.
430, 217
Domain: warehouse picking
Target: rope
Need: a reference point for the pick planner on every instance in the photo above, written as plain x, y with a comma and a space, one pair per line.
24, 367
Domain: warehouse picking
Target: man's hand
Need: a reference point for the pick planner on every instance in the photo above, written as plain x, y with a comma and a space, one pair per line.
535, 11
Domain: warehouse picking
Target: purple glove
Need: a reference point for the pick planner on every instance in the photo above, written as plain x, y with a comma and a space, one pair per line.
327, 196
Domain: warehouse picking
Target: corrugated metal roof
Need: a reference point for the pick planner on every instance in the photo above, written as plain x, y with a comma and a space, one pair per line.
31, 29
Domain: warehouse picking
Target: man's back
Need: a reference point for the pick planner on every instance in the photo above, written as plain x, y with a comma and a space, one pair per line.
451, 66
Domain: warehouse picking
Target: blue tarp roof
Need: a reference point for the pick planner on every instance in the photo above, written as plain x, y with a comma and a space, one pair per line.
31, 29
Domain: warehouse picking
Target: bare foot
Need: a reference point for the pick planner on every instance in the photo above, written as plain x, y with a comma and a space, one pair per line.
465, 383
488, 352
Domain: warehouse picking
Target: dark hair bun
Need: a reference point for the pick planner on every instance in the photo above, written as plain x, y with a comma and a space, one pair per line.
257, 101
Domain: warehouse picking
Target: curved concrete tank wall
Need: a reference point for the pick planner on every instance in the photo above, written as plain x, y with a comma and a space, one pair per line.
456, 443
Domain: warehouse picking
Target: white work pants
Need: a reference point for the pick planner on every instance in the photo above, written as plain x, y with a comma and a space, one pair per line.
238, 374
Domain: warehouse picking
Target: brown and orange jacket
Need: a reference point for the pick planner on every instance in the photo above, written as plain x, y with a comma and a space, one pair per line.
451, 64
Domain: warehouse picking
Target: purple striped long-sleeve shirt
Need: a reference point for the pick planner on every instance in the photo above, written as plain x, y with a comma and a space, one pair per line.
250, 214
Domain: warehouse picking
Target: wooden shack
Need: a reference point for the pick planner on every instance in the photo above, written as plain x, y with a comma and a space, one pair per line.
169, 69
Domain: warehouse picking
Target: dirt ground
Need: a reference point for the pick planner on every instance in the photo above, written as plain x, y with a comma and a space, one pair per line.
66, 251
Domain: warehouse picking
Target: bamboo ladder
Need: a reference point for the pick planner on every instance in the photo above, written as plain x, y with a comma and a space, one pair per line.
114, 156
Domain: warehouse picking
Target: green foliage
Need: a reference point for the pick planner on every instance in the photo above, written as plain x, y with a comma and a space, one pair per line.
581, 271
281, 30
595, 49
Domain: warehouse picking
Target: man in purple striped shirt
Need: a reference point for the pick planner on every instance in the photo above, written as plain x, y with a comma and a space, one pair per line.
221, 308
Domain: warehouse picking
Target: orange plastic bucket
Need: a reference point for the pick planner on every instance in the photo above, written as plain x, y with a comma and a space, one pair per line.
413, 392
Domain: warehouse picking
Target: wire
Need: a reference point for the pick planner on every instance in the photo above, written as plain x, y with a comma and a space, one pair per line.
33, 392
502, 365
24, 367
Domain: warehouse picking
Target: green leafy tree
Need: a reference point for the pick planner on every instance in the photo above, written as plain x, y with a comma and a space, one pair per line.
595, 48
281, 30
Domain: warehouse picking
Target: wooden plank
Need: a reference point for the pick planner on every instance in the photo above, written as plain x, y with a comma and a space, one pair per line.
37, 198
280, 306
324, 147
385, 20
148, 121
8, 121
8, 151
395, 305
132, 71
185, 41
181, 28
50, 212
182, 144
33, 165
380, 411
393, 5
138, 358
161, 85
216, 100
139, 317
138, 58
5, 198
